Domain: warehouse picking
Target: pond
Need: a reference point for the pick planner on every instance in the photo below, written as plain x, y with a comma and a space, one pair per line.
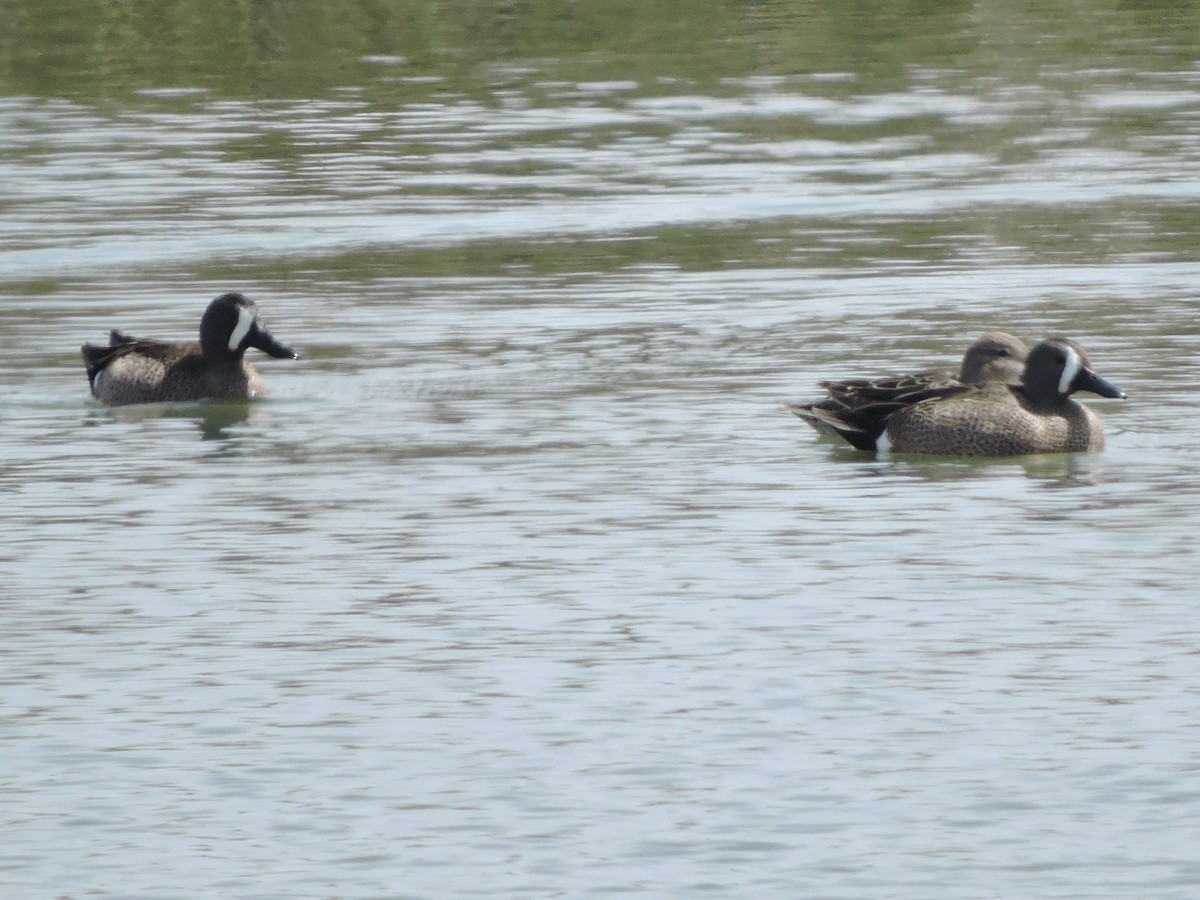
523, 581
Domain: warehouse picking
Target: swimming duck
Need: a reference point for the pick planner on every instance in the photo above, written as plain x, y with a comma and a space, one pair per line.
134, 370
993, 357
990, 419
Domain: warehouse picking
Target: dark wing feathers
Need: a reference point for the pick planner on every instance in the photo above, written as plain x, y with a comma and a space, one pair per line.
97, 357
857, 410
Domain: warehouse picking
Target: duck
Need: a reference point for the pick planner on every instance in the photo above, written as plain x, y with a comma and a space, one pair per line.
986, 419
995, 356
137, 370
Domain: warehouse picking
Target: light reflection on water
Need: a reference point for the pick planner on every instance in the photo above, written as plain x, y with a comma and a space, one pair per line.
351, 176
530, 584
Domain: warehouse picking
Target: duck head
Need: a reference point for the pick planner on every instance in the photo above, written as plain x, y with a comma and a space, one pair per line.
231, 325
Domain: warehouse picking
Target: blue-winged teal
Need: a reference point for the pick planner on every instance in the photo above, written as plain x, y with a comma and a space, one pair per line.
994, 356
993, 419
130, 370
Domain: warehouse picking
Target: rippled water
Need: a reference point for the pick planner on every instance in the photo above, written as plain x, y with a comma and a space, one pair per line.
523, 581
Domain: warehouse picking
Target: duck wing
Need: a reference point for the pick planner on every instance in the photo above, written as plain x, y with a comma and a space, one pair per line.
861, 416
97, 357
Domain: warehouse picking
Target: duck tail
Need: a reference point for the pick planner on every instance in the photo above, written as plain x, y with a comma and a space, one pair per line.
825, 417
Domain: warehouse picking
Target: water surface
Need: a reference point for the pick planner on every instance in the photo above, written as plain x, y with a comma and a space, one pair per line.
523, 581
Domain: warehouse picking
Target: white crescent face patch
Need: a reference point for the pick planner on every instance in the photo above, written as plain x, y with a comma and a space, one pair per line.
1071, 367
244, 323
